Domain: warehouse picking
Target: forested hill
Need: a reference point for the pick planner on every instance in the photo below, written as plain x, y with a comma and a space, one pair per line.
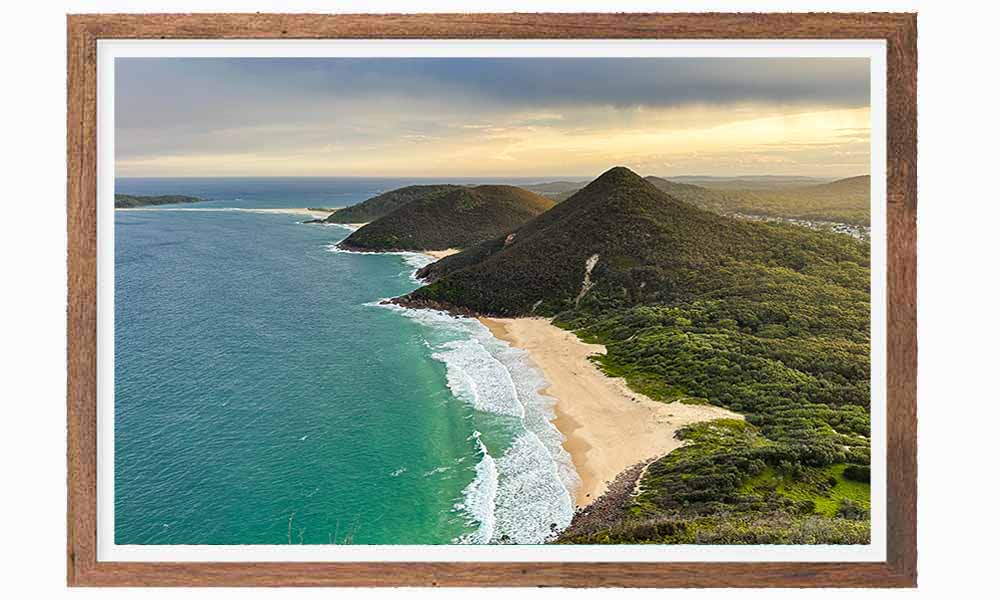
617, 242
129, 201
768, 320
383, 204
459, 218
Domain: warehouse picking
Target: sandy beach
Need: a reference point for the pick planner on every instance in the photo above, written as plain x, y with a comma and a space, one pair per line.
439, 254
608, 427
307, 212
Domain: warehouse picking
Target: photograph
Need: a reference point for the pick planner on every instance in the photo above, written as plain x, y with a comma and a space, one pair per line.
530, 300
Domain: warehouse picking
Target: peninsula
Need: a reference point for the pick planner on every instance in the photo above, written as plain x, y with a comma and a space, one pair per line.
130, 201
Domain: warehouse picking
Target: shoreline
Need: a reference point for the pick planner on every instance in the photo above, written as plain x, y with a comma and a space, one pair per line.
608, 427
307, 212
435, 254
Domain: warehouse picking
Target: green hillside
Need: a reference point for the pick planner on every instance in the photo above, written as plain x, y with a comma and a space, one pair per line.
129, 201
383, 204
768, 320
650, 247
841, 201
459, 218
844, 201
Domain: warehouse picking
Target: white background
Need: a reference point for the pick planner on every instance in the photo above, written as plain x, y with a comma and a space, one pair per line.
959, 270
108, 551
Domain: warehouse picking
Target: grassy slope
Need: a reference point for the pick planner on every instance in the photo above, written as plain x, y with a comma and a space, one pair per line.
383, 204
768, 320
129, 201
460, 218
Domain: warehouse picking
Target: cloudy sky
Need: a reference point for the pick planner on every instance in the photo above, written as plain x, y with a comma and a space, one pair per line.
490, 116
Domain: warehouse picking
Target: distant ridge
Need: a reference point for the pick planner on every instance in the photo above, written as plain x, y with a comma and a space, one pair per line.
130, 201
383, 204
857, 184
557, 190
457, 218
702, 197
747, 182
841, 201
844, 200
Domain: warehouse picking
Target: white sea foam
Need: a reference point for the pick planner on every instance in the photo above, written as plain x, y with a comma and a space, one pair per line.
414, 260
532, 504
531, 497
524, 496
479, 503
479, 379
347, 226
436, 470
539, 409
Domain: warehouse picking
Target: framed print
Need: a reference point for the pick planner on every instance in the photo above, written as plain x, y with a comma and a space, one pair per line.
477, 300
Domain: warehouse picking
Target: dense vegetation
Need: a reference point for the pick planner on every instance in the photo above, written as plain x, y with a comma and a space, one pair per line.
383, 204
129, 201
459, 218
650, 248
768, 320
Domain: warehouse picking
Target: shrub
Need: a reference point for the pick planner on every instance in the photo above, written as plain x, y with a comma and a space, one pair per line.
860, 473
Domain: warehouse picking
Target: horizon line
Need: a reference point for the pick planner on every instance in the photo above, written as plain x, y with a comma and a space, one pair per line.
545, 177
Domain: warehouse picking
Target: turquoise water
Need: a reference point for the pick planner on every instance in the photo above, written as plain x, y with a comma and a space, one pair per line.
264, 396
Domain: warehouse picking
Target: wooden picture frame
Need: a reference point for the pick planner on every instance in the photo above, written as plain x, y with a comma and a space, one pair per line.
897, 30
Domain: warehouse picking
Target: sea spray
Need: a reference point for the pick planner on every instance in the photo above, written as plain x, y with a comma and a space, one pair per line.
520, 493
539, 419
413, 260
530, 479
479, 503
475, 376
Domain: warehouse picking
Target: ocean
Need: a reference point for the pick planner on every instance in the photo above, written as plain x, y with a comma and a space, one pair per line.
263, 395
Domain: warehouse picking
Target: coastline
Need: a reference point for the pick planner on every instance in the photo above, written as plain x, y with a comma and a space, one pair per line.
608, 427
433, 254
307, 212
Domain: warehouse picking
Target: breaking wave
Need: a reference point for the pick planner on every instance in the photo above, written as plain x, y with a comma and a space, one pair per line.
521, 491
414, 260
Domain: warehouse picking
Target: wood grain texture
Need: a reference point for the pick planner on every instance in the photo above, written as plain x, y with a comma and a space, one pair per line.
898, 30
81, 330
